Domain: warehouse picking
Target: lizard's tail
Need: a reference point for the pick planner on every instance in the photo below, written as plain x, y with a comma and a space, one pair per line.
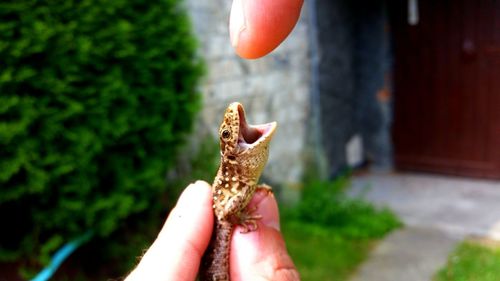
215, 261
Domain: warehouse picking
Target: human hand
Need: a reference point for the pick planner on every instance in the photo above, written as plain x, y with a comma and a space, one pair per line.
177, 251
257, 27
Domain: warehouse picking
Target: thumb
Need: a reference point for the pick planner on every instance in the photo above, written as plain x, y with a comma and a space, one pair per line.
177, 251
262, 254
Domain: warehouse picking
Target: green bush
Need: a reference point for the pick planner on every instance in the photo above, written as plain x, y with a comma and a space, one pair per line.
95, 99
140, 230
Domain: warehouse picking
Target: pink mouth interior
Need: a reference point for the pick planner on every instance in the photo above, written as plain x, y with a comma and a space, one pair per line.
249, 134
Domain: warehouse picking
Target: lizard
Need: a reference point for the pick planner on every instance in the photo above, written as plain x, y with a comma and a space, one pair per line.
244, 152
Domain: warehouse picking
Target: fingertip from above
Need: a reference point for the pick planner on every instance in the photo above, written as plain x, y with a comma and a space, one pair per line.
259, 26
236, 22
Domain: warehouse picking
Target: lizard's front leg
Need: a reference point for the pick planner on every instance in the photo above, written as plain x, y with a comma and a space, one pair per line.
248, 217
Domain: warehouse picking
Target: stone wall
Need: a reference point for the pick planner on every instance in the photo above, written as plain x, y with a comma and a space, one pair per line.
273, 88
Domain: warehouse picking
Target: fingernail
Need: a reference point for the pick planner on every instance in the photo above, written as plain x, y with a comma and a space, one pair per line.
274, 224
201, 183
236, 22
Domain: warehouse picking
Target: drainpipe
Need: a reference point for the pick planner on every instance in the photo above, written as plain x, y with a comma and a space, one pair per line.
317, 136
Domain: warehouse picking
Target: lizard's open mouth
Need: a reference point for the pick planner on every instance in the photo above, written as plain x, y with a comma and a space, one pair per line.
252, 135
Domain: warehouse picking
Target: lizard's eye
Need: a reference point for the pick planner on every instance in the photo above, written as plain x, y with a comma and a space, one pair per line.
225, 134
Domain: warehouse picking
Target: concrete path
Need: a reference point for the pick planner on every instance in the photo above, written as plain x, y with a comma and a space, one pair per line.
437, 211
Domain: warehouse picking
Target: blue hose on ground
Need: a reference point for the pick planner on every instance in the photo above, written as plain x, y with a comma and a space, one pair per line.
61, 255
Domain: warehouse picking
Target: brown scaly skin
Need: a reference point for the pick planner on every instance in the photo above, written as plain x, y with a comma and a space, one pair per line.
244, 153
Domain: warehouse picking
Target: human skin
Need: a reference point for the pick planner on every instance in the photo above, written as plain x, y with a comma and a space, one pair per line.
256, 27
176, 253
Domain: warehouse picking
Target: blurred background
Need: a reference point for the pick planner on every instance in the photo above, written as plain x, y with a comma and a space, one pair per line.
389, 128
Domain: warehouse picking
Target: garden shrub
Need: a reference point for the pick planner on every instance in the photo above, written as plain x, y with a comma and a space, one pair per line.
95, 99
140, 230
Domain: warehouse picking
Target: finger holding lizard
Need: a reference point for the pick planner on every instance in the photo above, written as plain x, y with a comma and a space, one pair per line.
177, 251
262, 254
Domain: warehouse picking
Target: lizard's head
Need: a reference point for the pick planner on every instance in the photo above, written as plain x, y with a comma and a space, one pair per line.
237, 136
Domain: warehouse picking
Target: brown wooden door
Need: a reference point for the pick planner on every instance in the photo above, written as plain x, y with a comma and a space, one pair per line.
447, 87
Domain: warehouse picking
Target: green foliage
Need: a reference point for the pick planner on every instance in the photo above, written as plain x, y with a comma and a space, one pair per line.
322, 253
202, 165
471, 261
96, 98
326, 204
329, 234
140, 230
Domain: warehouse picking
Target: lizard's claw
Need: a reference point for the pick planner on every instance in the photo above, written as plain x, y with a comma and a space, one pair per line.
265, 188
248, 220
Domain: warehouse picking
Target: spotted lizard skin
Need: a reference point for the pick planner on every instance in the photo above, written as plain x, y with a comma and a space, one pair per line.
244, 152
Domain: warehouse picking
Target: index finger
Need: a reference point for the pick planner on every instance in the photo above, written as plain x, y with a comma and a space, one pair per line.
257, 27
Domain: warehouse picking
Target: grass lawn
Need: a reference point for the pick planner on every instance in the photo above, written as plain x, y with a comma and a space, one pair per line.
330, 235
323, 254
472, 261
